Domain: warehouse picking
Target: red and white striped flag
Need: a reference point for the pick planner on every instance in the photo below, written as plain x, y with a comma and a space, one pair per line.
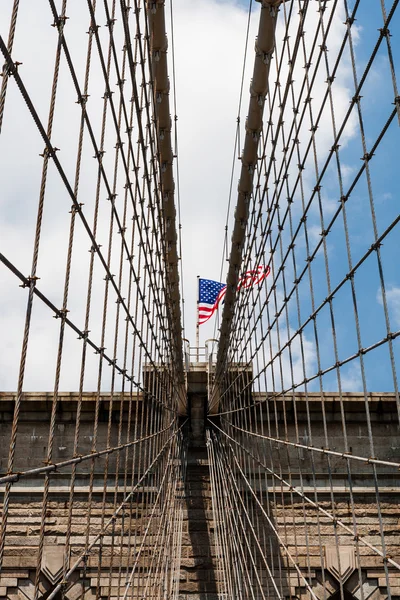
211, 293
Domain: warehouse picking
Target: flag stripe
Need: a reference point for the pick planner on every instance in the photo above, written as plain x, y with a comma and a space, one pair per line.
211, 293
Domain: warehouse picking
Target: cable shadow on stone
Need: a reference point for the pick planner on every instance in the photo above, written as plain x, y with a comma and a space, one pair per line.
199, 580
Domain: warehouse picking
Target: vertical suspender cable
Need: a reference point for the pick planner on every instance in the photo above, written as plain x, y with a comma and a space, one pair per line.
258, 91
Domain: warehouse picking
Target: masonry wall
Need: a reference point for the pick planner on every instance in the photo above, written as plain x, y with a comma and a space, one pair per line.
306, 532
297, 479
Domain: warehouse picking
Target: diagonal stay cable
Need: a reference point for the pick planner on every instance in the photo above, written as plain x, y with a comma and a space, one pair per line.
326, 451
52, 153
116, 513
14, 477
295, 489
330, 154
81, 332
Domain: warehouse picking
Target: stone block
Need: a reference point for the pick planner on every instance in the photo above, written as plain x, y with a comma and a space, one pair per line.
198, 586
196, 561
24, 561
8, 581
52, 562
27, 588
14, 574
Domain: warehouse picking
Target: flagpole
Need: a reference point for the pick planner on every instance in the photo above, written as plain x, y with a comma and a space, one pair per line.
197, 322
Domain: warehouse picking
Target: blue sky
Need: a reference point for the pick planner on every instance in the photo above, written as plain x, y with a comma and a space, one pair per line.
377, 104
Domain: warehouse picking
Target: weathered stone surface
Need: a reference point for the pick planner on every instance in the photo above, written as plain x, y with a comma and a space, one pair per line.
301, 527
53, 561
340, 562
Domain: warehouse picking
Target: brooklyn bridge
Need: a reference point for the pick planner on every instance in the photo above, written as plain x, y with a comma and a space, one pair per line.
158, 441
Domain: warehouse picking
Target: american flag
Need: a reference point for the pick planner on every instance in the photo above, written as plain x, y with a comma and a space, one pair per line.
212, 292
210, 295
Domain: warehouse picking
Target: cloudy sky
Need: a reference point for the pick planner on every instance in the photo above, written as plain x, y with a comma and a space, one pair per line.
209, 42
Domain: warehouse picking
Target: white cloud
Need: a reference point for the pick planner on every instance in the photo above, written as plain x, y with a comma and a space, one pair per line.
387, 196
287, 369
350, 377
347, 172
393, 303
314, 234
209, 44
